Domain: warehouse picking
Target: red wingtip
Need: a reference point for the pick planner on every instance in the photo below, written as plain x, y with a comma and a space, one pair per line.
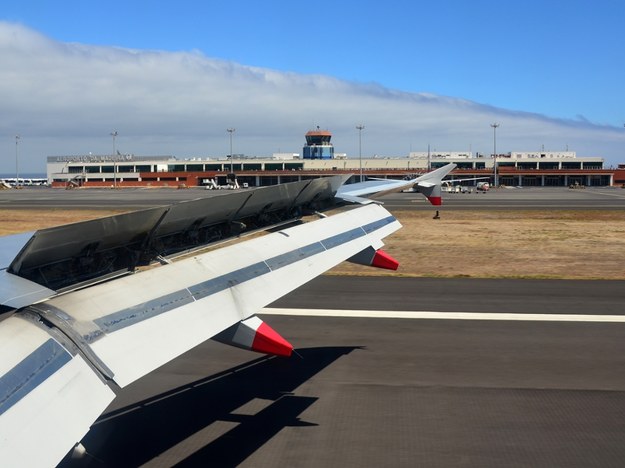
436, 201
383, 260
268, 341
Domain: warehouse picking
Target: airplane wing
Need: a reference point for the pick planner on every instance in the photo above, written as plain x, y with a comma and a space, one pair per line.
61, 358
428, 184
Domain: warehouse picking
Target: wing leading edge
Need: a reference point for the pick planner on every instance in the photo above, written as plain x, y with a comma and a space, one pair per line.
123, 329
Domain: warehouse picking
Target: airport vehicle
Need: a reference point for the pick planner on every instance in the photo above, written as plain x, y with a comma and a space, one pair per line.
448, 187
211, 184
96, 305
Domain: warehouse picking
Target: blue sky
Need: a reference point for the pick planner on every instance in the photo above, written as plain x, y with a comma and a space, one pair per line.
557, 60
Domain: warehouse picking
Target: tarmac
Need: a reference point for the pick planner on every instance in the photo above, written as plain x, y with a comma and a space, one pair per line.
537, 380
393, 391
501, 198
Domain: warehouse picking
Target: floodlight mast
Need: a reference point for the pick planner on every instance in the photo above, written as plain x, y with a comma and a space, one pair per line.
17, 172
495, 125
360, 129
114, 135
231, 131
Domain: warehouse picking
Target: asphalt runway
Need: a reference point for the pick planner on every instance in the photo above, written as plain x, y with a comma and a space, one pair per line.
604, 198
401, 392
392, 392
527, 198
131, 199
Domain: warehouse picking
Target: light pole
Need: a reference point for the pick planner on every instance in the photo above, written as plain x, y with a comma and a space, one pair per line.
114, 135
17, 172
231, 131
495, 125
429, 159
360, 128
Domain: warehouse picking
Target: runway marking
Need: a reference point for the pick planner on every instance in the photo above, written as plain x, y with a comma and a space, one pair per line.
445, 315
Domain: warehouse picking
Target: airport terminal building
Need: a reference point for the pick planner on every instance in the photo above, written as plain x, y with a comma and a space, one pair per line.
512, 169
543, 168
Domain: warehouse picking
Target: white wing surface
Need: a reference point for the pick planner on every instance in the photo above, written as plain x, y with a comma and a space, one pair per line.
49, 395
56, 357
429, 184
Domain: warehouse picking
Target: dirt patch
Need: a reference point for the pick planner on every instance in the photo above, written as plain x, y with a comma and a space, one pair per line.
477, 244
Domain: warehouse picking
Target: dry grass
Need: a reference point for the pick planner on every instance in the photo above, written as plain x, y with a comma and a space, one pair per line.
16, 221
513, 244
479, 244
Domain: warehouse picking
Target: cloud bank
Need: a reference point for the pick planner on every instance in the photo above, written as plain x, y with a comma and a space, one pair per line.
66, 98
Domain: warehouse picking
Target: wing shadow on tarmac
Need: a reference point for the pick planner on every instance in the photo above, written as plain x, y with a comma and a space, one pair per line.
137, 434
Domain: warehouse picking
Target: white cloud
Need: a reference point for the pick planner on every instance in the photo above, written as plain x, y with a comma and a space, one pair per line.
65, 98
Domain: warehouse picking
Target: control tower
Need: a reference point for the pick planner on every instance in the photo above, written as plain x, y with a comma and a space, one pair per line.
318, 145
